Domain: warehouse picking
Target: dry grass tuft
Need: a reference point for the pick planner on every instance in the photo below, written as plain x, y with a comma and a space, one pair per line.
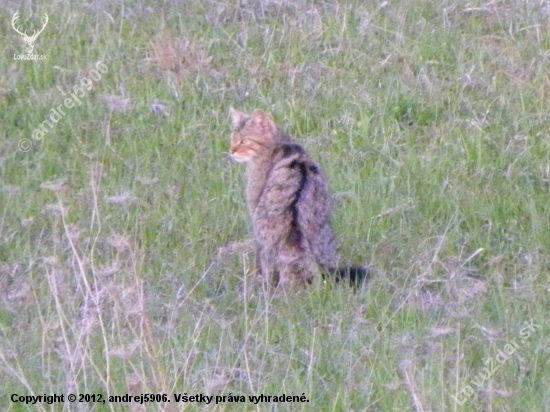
178, 54
122, 199
118, 103
407, 369
231, 248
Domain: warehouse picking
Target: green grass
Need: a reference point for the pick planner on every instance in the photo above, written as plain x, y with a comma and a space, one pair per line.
119, 271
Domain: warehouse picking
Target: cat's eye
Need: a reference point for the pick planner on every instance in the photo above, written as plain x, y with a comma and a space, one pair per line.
243, 141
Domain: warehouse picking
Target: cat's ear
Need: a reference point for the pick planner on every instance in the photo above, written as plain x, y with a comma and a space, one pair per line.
237, 118
263, 122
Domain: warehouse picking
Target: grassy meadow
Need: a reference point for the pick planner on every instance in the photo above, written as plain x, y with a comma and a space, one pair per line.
125, 265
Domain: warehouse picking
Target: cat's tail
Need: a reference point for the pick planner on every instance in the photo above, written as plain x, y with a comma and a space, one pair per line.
355, 275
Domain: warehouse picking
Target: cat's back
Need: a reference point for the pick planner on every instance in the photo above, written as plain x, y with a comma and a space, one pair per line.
295, 203
295, 179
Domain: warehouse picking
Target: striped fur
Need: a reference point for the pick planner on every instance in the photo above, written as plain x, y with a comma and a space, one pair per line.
288, 200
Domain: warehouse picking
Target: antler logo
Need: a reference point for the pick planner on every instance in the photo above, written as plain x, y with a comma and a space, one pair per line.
29, 40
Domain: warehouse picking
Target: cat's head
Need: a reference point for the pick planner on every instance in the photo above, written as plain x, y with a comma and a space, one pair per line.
253, 135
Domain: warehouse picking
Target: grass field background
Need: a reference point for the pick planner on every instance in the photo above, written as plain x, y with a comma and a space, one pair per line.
123, 258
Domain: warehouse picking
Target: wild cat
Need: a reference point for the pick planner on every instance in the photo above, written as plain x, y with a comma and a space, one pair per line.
289, 203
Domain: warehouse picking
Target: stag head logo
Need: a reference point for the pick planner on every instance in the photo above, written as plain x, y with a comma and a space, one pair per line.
29, 40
